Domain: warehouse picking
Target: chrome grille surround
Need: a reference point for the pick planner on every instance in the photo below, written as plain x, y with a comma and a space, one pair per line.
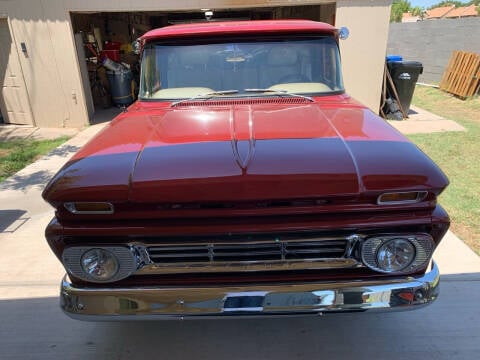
273, 255
423, 243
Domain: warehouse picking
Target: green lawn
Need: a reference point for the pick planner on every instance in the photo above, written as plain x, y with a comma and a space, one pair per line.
16, 154
458, 154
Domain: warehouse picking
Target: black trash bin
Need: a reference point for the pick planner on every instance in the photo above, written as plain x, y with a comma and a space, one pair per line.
121, 87
404, 75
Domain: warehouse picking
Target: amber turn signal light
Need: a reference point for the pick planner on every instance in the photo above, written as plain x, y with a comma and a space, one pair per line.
401, 197
89, 207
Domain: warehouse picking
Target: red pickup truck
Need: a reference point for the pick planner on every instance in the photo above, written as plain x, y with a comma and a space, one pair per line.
245, 182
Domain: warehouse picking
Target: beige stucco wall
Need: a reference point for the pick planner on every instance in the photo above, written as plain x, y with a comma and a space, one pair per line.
363, 53
51, 69
52, 73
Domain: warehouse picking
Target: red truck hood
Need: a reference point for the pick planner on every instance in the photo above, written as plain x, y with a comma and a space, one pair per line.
243, 152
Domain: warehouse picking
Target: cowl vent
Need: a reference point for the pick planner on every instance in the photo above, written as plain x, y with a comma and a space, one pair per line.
243, 101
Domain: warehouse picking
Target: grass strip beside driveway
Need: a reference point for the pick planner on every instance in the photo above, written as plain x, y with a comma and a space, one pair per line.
458, 154
16, 154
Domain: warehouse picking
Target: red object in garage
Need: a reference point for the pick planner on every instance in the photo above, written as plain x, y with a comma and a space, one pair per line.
113, 55
112, 45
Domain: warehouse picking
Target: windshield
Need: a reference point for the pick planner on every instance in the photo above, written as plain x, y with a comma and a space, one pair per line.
300, 66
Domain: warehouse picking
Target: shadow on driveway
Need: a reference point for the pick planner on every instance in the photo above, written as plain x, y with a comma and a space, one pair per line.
11, 220
26, 179
24, 182
64, 150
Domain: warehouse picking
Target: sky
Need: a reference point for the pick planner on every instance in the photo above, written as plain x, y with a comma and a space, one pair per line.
424, 3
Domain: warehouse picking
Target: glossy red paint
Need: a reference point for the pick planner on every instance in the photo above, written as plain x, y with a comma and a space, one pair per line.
248, 225
240, 27
185, 154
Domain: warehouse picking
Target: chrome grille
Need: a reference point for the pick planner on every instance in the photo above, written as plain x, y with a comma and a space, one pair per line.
316, 249
246, 252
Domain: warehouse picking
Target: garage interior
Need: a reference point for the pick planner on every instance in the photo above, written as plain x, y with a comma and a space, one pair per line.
109, 66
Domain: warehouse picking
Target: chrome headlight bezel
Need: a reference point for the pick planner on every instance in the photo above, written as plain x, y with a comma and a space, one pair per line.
124, 257
423, 245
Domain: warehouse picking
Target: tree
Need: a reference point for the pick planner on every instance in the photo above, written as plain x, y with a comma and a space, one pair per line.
416, 11
447, 3
398, 8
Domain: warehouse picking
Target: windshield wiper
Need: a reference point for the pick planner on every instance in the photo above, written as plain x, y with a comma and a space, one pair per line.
280, 93
205, 96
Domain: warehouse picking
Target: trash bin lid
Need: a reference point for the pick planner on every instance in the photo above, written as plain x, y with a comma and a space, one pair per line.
406, 64
391, 58
396, 67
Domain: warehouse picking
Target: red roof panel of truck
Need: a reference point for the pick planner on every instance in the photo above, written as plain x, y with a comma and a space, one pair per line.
239, 27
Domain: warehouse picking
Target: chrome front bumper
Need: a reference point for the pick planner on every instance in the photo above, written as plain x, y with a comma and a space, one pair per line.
111, 304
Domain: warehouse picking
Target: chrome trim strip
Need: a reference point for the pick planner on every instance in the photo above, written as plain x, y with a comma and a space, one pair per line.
141, 303
247, 266
193, 242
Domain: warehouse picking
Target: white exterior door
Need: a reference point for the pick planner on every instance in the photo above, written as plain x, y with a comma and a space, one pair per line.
14, 102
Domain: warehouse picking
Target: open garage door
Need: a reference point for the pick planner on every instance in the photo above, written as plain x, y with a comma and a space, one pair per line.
103, 41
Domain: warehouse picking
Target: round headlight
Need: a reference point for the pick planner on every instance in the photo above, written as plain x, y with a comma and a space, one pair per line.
99, 264
395, 255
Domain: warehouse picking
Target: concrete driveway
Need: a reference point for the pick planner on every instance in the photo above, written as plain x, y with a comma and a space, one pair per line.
33, 327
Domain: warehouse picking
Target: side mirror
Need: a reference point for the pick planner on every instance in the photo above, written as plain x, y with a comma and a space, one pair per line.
343, 33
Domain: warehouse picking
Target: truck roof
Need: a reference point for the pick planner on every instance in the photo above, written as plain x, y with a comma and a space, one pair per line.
239, 27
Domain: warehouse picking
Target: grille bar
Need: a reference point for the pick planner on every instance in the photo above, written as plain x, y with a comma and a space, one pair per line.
245, 252
315, 251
